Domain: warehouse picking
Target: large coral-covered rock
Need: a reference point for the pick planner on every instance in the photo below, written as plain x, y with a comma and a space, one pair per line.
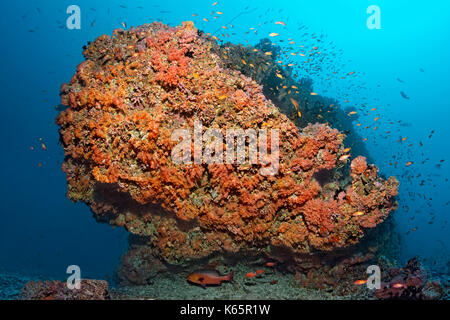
138, 86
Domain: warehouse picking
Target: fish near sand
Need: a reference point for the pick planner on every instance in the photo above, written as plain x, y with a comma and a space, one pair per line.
209, 277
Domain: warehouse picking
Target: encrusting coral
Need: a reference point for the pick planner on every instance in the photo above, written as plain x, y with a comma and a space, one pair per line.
138, 86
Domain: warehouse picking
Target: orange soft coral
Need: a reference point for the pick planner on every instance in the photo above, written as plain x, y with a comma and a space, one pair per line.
358, 166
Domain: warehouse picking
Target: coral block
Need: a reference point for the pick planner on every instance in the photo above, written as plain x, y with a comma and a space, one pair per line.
136, 87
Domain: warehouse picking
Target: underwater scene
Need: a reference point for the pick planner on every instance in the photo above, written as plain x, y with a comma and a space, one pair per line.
225, 150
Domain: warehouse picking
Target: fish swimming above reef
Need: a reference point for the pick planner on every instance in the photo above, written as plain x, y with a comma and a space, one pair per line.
209, 277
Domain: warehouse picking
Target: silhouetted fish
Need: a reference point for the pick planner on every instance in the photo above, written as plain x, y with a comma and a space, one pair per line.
404, 95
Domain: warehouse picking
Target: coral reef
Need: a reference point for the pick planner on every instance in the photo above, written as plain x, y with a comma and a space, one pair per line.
139, 267
55, 290
336, 276
138, 86
410, 282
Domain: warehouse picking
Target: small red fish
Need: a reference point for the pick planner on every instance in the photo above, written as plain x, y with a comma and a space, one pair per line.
271, 264
250, 275
209, 277
398, 285
259, 271
360, 282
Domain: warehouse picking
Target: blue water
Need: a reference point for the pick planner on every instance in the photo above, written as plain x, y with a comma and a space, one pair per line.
42, 232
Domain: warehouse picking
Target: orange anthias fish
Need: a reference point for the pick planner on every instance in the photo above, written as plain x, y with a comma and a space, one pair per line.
344, 157
250, 275
271, 264
209, 277
295, 103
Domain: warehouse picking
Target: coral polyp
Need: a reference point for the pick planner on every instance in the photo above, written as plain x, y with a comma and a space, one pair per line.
137, 87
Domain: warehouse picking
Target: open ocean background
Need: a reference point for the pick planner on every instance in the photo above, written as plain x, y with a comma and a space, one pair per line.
42, 232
